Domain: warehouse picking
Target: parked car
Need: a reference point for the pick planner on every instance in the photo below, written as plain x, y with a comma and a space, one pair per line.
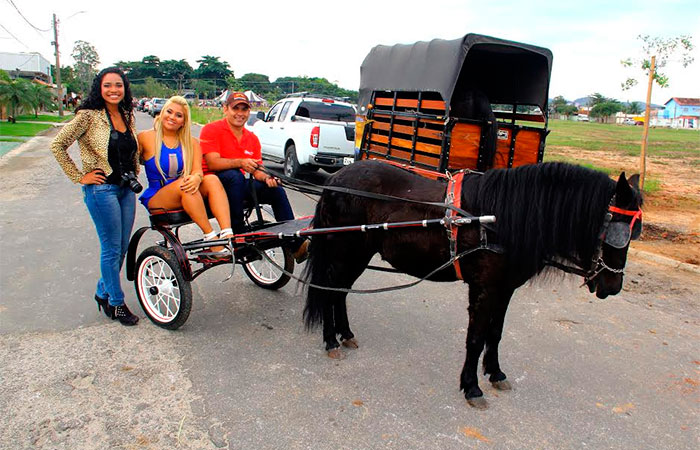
147, 106
628, 121
582, 118
306, 132
156, 106
141, 103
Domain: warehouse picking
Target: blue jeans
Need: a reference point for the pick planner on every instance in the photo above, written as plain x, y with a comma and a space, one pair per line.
238, 189
112, 208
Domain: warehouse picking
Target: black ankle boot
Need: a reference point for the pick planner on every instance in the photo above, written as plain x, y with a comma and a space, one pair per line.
124, 316
103, 305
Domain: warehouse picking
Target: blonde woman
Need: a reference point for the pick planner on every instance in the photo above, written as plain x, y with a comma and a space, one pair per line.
173, 162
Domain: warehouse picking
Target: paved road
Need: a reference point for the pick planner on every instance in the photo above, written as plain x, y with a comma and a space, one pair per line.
243, 373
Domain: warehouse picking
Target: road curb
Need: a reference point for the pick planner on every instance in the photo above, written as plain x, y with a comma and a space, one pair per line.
664, 261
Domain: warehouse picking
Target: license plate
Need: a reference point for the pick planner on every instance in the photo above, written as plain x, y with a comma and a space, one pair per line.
347, 161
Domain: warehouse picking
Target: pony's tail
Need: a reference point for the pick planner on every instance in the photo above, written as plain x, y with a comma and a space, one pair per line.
313, 310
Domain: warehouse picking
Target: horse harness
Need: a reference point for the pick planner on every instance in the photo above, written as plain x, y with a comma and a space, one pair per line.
453, 219
615, 233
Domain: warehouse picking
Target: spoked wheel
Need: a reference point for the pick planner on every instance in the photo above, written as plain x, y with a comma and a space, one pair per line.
265, 274
164, 294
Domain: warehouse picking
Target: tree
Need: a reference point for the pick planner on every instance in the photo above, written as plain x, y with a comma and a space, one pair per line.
205, 88
657, 52
176, 72
151, 88
15, 94
560, 106
256, 82
596, 98
606, 109
211, 68
39, 97
633, 108
85, 67
68, 79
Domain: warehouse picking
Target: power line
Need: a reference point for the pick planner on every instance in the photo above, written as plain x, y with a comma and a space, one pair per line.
13, 36
25, 19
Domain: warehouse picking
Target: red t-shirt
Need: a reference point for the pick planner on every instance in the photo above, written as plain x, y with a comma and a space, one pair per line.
217, 137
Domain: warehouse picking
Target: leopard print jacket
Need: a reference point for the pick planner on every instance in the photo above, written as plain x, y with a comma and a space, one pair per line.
91, 129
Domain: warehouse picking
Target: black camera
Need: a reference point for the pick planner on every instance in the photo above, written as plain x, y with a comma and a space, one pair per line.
129, 180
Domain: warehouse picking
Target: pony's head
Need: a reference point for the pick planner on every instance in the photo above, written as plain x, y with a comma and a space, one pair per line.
623, 222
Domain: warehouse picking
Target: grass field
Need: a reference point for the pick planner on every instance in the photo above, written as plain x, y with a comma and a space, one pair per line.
627, 139
44, 118
22, 129
205, 115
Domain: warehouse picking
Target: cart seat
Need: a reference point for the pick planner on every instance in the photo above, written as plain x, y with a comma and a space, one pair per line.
178, 217
173, 217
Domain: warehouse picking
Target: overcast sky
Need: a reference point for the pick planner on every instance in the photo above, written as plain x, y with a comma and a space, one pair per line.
330, 39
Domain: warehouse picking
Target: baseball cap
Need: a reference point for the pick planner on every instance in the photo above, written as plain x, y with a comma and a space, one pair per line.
236, 98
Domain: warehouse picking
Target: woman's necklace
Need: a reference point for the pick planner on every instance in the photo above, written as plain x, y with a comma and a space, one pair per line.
170, 141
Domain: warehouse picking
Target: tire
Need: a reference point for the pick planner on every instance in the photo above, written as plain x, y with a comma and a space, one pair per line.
291, 163
164, 294
261, 272
267, 276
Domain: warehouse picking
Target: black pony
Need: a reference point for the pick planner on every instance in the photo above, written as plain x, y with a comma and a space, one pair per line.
550, 213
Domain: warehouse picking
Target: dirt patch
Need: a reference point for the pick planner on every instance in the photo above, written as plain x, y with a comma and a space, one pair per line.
672, 213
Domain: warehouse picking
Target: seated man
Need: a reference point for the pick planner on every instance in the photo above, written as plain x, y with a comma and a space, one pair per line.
230, 151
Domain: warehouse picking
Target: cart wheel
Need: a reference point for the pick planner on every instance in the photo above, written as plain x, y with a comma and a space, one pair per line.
267, 276
165, 296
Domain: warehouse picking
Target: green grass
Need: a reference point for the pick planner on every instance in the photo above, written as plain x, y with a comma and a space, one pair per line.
205, 115
626, 139
44, 118
22, 129
7, 139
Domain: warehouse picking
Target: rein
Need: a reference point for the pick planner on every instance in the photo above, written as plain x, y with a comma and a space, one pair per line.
597, 262
316, 189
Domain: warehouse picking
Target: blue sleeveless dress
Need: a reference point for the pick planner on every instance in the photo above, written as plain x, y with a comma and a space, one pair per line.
171, 163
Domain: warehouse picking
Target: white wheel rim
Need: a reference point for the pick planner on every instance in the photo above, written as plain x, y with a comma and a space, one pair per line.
159, 289
263, 270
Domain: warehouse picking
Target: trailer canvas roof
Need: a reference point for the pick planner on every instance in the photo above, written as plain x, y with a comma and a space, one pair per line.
507, 72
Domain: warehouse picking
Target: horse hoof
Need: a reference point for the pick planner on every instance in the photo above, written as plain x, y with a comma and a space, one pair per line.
350, 343
478, 402
336, 353
503, 385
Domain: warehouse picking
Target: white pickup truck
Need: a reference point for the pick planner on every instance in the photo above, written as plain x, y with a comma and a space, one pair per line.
306, 132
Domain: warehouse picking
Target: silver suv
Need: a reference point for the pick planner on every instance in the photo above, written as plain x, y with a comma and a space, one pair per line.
156, 106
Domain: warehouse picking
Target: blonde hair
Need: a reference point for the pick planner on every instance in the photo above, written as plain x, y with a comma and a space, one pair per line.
184, 136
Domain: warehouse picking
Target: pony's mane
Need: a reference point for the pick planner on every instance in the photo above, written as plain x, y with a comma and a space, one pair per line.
543, 211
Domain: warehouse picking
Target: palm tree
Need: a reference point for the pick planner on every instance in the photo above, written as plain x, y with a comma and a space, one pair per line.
40, 97
14, 93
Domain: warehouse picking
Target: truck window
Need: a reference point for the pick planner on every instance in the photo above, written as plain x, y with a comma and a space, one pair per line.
273, 113
285, 110
326, 111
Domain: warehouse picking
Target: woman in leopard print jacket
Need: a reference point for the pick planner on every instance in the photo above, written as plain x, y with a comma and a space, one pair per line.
104, 128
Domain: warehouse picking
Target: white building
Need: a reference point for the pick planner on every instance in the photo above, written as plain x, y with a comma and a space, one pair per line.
26, 65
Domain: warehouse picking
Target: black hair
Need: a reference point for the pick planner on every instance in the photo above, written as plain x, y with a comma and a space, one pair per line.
94, 98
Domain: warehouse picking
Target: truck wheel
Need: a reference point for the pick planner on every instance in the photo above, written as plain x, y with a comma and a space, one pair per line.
291, 163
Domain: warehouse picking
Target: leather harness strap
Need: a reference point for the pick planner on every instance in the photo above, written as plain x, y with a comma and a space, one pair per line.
454, 199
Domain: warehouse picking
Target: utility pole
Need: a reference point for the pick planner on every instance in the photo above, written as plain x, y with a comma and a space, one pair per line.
58, 67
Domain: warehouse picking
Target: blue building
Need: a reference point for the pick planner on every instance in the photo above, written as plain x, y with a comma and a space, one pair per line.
682, 112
